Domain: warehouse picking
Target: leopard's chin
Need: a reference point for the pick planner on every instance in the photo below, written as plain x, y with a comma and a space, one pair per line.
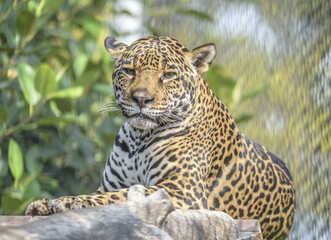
142, 121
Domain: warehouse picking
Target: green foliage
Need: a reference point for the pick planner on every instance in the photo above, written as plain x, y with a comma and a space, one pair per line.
45, 82
229, 90
54, 78
194, 13
15, 161
26, 79
24, 23
3, 114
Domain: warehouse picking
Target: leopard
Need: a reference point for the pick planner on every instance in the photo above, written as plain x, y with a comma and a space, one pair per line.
179, 136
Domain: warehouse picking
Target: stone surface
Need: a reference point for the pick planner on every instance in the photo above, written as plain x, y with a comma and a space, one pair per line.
151, 217
200, 224
127, 220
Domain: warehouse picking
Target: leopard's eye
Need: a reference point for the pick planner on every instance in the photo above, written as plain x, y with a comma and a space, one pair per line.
169, 75
129, 71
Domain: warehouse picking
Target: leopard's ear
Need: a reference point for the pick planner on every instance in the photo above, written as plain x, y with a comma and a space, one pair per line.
202, 57
115, 48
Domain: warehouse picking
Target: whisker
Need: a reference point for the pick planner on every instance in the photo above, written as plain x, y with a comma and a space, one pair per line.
109, 107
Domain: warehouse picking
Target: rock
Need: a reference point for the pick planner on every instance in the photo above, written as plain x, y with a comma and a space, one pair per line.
151, 217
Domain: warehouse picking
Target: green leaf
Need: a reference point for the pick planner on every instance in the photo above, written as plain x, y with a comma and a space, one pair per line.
45, 11
9, 30
52, 5
9, 203
55, 109
80, 64
15, 111
26, 79
91, 24
31, 189
254, 91
15, 160
22, 207
243, 117
25, 22
72, 92
45, 82
48, 184
51, 121
221, 83
3, 114
195, 13
236, 92
13, 202
32, 160
32, 6
103, 88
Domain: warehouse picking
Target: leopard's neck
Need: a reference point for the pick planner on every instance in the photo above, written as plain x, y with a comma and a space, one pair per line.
210, 110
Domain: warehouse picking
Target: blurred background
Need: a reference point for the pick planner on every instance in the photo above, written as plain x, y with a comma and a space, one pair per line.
273, 70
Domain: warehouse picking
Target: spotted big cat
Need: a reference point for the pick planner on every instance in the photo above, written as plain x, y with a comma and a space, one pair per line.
179, 136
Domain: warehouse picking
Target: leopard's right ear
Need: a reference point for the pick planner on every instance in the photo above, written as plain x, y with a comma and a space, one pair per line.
115, 48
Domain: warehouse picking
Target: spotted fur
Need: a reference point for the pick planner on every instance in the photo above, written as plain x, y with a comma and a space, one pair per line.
179, 136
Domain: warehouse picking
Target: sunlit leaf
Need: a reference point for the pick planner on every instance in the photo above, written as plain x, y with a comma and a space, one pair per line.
80, 64
32, 6
15, 160
254, 91
25, 22
44, 12
55, 109
91, 24
26, 79
45, 82
3, 114
72, 92
236, 92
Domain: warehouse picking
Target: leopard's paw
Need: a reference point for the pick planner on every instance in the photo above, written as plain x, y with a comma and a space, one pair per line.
46, 206
39, 208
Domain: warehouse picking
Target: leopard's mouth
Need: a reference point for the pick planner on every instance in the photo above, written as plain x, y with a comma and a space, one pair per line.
142, 121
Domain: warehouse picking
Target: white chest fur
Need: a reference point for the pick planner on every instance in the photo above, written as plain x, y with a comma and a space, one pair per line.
132, 159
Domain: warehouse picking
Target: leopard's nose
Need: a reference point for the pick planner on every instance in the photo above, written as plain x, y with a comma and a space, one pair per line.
142, 97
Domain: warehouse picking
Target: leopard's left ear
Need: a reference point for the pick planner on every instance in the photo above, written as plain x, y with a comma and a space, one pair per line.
202, 57
115, 48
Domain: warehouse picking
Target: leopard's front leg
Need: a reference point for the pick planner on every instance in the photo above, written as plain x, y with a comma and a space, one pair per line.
47, 206
175, 192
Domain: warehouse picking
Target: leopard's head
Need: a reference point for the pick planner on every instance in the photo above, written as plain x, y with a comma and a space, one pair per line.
155, 80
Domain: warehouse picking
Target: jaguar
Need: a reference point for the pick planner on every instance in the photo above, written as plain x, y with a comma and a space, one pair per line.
178, 135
